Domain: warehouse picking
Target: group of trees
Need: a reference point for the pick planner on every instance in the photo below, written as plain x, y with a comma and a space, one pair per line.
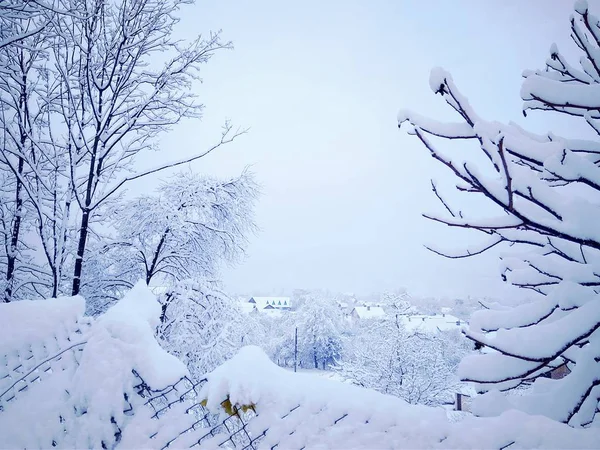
377, 353
204, 327
86, 87
418, 367
546, 190
311, 336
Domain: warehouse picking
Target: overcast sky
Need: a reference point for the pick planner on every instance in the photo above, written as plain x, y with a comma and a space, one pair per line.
320, 83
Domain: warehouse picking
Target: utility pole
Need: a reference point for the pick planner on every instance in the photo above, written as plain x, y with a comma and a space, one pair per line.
296, 349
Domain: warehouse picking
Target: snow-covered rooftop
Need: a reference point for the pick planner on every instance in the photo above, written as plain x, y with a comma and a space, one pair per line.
432, 324
368, 312
275, 302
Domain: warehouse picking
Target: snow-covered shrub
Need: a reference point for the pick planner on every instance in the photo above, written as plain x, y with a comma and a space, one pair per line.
546, 190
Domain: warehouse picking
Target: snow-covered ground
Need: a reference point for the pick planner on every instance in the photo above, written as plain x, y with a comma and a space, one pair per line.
69, 381
306, 411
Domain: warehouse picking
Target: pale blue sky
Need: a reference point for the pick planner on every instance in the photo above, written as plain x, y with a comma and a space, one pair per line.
320, 84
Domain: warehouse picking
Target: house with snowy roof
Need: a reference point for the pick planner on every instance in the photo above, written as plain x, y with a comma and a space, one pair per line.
432, 323
271, 302
367, 312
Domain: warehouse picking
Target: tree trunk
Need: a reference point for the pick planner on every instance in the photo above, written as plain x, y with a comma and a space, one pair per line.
150, 270
83, 232
14, 238
16, 226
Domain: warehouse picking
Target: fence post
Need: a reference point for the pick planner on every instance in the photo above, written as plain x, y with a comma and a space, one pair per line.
296, 349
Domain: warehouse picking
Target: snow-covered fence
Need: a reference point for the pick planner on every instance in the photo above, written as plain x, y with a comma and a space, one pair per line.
70, 382
207, 428
37, 342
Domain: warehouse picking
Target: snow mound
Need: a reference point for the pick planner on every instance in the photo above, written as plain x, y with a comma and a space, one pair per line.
69, 382
38, 321
307, 411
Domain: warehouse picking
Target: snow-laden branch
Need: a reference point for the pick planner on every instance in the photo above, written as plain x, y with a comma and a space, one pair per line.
547, 189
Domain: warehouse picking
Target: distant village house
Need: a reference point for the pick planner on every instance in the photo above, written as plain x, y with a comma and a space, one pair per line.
367, 312
268, 303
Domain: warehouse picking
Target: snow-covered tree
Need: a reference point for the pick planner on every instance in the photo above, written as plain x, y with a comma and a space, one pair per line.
278, 337
202, 326
546, 189
397, 302
19, 119
124, 80
191, 227
320, 327
418, 367
194, 224
36, 13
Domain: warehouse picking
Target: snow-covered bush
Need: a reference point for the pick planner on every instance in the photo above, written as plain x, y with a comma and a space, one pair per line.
546, 190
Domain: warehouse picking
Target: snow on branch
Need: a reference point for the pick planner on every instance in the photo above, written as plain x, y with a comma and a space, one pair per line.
547, 189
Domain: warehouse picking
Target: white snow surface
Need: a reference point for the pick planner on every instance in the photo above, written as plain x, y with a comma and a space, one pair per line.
132, 322
37, 321
369, 312
307, 411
